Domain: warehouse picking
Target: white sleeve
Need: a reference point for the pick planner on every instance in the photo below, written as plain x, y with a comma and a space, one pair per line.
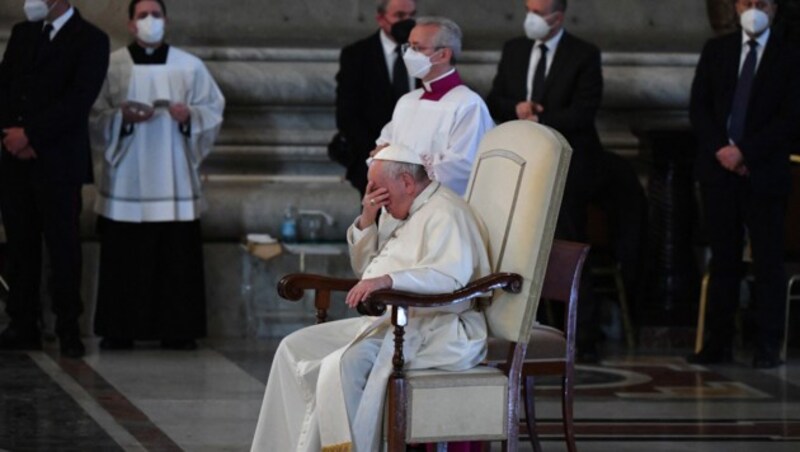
206, 106
362, 245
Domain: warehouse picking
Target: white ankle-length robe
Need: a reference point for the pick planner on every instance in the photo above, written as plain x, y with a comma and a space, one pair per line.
152, 174
440, 247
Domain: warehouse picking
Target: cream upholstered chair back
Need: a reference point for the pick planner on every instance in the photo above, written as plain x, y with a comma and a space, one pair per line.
515, 187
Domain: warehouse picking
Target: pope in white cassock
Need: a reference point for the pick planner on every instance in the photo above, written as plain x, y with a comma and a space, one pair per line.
154, 122
327, 384
443, 119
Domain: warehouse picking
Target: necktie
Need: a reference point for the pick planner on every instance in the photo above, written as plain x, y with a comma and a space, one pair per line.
742, 94
539, 75
48, 28
399, 75
44, 40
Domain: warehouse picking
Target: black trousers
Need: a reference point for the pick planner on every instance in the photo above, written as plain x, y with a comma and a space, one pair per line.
34, 210
729, 210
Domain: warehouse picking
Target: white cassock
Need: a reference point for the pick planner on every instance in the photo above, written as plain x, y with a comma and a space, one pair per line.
152, 173
446, 131
440, 247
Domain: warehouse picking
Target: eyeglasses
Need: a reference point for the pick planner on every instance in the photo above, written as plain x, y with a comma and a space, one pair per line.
420, 49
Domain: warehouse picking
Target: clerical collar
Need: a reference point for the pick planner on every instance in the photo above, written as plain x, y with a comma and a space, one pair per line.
141, 55
436, 89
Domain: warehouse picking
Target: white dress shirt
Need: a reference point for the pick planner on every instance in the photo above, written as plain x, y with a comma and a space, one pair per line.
59, 23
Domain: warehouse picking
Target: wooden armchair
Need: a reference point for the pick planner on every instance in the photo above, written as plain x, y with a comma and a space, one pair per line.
515, 187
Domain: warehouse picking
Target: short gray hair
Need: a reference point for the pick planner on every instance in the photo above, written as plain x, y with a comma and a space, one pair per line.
395, 169
449, 34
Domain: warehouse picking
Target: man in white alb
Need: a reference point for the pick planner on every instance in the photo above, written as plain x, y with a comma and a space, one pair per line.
154, 122
327, 383
443, 118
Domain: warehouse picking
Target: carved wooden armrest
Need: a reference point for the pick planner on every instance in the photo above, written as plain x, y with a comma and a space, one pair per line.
377, 301
293, 286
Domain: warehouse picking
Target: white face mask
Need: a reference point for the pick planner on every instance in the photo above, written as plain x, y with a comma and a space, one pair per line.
754, 21
150, 30
417, 64
535, 26
36, 10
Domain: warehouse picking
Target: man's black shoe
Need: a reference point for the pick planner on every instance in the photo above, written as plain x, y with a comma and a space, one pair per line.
111, 343
179, 344
766, 359
16, 338
711, 356
71, 346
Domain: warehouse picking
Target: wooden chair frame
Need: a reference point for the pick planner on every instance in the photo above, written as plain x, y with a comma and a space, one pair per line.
561, 283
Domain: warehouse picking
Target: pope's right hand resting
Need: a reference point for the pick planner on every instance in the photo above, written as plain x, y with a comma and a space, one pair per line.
365, 287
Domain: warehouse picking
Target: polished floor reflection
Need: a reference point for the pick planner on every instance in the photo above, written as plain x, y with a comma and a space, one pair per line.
208, 400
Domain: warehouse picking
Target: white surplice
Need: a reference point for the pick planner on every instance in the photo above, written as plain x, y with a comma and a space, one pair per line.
440, 247
446, 132
152, 173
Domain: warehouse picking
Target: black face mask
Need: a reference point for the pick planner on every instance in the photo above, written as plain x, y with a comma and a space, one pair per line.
402, 29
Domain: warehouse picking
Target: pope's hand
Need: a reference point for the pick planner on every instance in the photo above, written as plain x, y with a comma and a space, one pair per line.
371, 204
365, 287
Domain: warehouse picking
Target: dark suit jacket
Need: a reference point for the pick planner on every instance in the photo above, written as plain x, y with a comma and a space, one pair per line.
772, 123
50, 92
572, 94
364, 98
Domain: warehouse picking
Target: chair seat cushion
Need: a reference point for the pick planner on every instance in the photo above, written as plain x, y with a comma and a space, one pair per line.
456, 406
545, 342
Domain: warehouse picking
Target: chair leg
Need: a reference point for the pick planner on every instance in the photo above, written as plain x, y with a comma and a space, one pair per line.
566, 413
623, 305
530, 412
701, 314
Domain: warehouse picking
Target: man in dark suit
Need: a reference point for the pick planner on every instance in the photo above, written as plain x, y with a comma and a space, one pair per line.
371, 78
745, 111
52, 71
554, 78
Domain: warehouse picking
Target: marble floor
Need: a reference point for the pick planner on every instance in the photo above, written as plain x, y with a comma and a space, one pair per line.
208, 400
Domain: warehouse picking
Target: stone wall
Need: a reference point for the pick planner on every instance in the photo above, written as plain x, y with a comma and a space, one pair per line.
615, 25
